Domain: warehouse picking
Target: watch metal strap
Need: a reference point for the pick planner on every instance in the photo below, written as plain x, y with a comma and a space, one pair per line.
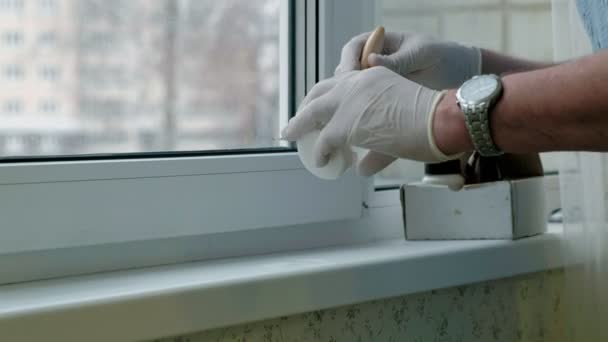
476, 118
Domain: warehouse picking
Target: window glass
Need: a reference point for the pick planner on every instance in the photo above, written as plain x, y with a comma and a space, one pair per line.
13, 106
49, 73
139, 76
12, 38
11, 5
46, 39
13, 72
517, 27
47, 106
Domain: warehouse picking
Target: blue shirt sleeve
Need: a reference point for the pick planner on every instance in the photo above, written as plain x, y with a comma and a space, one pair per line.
595, 19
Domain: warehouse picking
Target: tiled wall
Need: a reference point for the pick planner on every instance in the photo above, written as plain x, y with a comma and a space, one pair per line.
525, 308
516, 27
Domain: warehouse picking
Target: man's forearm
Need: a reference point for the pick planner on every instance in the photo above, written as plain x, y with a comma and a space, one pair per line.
499, 64
564, 107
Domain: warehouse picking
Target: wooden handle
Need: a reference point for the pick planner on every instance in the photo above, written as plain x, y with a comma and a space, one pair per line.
374, 44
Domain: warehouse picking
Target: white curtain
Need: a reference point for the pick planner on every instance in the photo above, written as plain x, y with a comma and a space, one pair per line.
584, 189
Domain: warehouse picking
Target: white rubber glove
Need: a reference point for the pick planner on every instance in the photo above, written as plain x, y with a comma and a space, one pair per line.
374, 109
423, 59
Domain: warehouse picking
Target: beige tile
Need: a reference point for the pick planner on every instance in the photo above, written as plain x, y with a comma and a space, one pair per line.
529, 2
478, 28
530, 34
422, 24
424, 4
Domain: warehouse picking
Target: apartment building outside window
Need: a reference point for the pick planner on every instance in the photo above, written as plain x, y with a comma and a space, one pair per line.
13, 72
47, 39
144, 68
48, 7
50, 73
12, 106
11, 5
12, 38
48, 107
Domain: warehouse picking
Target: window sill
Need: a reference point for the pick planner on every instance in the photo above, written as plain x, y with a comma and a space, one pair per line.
170, 300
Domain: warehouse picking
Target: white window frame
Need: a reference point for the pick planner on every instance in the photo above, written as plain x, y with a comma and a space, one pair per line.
71, 217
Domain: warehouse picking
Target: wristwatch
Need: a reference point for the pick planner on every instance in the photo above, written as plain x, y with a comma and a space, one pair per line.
476, 97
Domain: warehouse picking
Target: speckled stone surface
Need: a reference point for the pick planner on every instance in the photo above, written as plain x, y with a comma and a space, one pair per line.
525, 308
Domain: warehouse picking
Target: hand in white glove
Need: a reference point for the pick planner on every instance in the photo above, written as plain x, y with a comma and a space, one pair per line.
375, 109
423, 59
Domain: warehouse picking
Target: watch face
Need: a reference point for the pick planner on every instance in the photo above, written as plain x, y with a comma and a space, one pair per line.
479, 89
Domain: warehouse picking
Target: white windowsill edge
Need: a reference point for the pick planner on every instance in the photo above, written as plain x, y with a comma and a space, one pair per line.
171, 300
